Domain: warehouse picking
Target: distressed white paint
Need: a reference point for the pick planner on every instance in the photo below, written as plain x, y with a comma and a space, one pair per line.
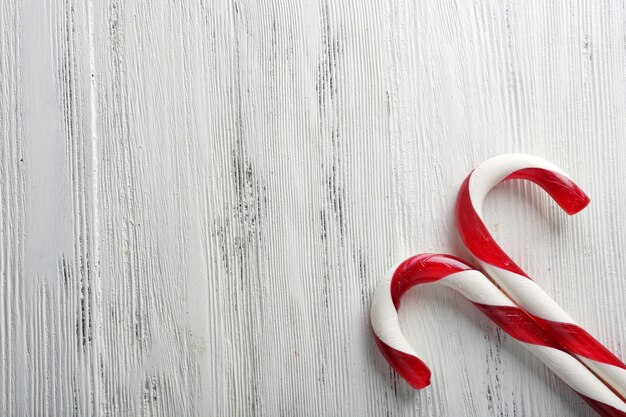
198, 199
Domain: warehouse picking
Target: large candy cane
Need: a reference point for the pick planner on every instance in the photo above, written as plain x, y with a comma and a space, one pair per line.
510, 277
478, 289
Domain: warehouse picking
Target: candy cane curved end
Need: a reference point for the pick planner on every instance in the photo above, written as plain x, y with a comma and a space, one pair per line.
563, 190
393, 345
421, 269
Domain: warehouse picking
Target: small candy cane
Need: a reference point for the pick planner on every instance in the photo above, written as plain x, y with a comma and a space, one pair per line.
478, 289
510, 277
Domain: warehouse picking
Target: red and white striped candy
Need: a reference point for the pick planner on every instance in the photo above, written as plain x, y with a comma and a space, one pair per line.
510, 277
478, 289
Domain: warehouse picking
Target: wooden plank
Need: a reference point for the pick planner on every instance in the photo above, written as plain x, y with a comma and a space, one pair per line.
48, 266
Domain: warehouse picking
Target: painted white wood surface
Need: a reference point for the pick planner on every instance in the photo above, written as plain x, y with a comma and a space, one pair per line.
198, 199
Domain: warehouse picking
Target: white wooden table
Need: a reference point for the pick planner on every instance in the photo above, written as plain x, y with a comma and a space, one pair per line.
199, 197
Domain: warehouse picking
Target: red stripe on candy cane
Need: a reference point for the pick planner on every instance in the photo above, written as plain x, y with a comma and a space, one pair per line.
518, 324
578, 341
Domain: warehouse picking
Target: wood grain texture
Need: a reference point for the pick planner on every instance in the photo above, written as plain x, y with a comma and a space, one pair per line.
197, 199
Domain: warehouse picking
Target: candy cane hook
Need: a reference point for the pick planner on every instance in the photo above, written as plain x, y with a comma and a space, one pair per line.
510, 277
454, 273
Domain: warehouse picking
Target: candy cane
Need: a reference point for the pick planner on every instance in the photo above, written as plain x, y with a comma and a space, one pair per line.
510, 277
478, 289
